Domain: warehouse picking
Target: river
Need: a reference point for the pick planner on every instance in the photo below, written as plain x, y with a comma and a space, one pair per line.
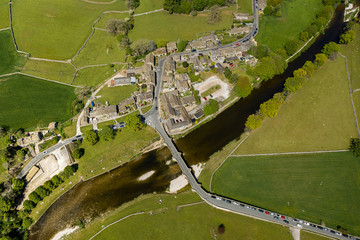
108, 191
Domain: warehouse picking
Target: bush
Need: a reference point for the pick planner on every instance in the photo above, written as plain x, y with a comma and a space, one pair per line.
106, 133
91, 137
211, 107
78, 153
49, 185
35, 197
320, 59
330, 48
355, 146
290, 47
18, 185
253, 121
56, 180
185, 64
271, 107
29, 205
347, 37
42, 192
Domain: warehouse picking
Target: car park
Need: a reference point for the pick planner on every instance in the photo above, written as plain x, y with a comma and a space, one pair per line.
301, 221
345, 235
235, 203
332, 231
312, 225
223, 199
272, 214
237, 44
217, 198
253, 208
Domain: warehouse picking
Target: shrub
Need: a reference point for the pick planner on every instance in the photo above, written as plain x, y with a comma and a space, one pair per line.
56, 180
29, 205
253, 121
91, 137
49, 185
78, 153
42, 192
35, 197
355, 146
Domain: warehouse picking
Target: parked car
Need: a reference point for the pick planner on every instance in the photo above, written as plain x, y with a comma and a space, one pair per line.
320, 227
282, 217
266, 212
260, 210
213, 196
286, 221
306, 223
276, 217
299, 225
237, 44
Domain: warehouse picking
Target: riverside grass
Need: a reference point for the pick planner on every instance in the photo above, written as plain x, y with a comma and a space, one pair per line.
29, 102
315, 187
167, 221
114, 95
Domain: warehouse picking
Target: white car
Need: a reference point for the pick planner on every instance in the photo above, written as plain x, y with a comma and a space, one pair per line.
301, 221
299, 225
337, 233
306, 223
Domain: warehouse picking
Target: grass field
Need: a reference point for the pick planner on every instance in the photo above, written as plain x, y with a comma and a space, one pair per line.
327, 121
107, 16
296, 15
313, 186
61, 72
245, 6
310, 236
95, 75
356, 99
352, 52
56, 29
4, 14
149, 5
126, 144
167, 222
102, 48
29, 102
114, 95
10, 60
161, 25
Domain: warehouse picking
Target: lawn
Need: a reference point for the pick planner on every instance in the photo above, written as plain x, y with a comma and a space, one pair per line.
107, 155
61, 72
56, 29
102, 48
165, 26
4, 14
149, 5
352, 52
168, 222
10, 60
327, 121
107, 16
29, 102
296, 16
114, 95
356, 99
95, 75
211, 90
70, 129
310, 236
245, 6
312, 186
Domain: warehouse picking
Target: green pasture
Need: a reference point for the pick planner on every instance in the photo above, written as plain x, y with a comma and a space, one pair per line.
107, 16
4, 14
101, 48
114, 95
245, 6
93, 76
313, 187
296, 16
311, 236
56, 29
149, 5
10, 60
319, 116
30, 102
62, 72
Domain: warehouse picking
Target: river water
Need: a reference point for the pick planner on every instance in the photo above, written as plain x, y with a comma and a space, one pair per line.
91, 198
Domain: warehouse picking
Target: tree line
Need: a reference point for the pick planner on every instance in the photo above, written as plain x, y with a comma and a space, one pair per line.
194, 6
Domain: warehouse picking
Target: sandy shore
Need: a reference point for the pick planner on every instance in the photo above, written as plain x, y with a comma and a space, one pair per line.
178, 183
63, 233
146, 175
198, 168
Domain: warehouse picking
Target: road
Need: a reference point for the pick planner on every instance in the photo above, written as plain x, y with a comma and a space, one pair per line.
45, 153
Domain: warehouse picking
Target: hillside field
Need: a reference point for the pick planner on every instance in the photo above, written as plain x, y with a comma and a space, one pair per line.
4, 14
30, 102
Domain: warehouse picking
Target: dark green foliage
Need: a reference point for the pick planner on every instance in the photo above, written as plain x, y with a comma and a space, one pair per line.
242, 86
132, 4
211, 107
270, 66
18, 185
304, 36
309, 68
188, 6
355, 146
78, 153
119, 26
49, 143
29, 205
56, 180
320, 22
91, 137
106, 133
69, 170
221, 229
42, 192
291, 47
80, 223
49, 185
326, 13
185, 64
227, 73
182, 45
331, 2
142, 46
134, 122
27, 222
77, 106
312, 29
5, 204
347, 37
253, 121
330, 48
35, 197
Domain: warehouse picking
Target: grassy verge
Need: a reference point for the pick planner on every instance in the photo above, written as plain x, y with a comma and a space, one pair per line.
29, 102
310, 236
4, 14
245, 6
93, 76
101, 48
356, 99
61, 72
107, 16
146, 109
70, 130
150, 5
104, 155
166, 221
295, 17
326, 123
211, 90
161, 25
312, 186
10, 60
43, 27
114, 95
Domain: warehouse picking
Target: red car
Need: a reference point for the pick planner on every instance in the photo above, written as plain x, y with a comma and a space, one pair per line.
237, 44
267, 212
205, 98
282, 217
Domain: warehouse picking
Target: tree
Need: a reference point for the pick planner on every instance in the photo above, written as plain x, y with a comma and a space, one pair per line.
18, 185
320, 59
199, 5
49, 185
119, 26
134, 122
347, 37
56, 180
268, 10
185, 64
292, 84
309, 67
299, 73
242, 87
27, 222
355, 146
215, 15
182, 45
91, 137
29, 205
270, 108
132, 4
304, 36
253, 121
221, 229
106, 133
161, 43
142, 46
330, 48
312, 29
5, 204
227, 73
270, 66
42, 192
4, 155
35, 197
211, 107
326, 12
290, 47
70, 170
320, 22
78, 153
